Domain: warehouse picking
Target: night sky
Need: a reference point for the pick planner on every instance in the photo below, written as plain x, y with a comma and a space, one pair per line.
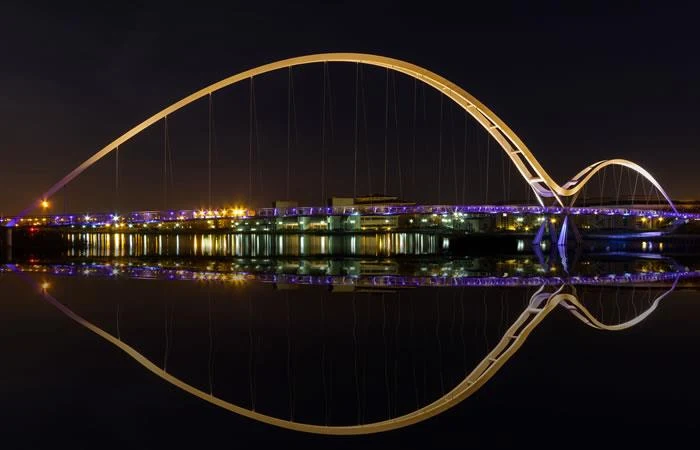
576, 83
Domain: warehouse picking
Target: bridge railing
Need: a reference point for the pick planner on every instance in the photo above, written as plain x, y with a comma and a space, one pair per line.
138, 217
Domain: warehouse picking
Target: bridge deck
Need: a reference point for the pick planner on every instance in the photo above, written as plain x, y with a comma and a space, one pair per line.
329, 211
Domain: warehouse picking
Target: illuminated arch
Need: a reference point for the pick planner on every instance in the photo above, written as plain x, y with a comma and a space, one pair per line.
529, 167
574, 186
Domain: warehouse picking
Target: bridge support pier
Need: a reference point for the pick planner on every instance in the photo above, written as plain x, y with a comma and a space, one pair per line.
540, 234
546, 226
563, 234
6, 251
561, 242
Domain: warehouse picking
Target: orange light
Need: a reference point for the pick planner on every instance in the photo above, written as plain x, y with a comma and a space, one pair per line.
44, 204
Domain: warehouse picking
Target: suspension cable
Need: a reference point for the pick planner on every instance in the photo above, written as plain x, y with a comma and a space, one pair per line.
386, 129
413, 150
364, 115
250, 145
165, 162
479, 171
488, 157
258, 147
619, 187
629, 185
210, 145
330, 113
295, 124
510, 169
116, 180
398, 140
440, 152
454, 152
464, 161
425, 115
354, 172
289, 127
323, 136
634, 190
503, 172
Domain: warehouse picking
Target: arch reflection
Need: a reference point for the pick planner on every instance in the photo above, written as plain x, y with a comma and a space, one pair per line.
550, 293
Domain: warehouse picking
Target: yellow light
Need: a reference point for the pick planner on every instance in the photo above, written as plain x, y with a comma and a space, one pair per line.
45, 285
44, 204
553, 220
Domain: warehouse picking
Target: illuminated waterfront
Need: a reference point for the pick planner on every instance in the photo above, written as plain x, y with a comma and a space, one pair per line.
347, 226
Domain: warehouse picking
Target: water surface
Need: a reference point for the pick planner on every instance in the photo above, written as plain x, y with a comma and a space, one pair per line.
337, 341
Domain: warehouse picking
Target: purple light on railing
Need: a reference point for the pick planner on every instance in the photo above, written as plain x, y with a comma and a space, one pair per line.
155, 272
148, 216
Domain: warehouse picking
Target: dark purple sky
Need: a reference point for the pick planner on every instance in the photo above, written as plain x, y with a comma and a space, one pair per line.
577, 84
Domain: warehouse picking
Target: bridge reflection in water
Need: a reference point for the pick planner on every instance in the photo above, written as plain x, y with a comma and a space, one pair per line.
393, 351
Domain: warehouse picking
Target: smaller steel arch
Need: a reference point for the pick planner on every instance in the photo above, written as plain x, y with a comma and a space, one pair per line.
575, 184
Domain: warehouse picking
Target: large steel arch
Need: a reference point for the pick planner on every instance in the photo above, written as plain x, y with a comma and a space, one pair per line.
528, 166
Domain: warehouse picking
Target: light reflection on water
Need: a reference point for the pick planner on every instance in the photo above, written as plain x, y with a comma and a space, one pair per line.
129, 244
309, 359
321, 343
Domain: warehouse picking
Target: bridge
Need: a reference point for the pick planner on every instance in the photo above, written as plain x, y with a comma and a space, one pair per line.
554, 203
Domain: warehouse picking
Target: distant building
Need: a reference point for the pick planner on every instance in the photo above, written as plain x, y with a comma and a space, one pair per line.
368, 222
285, 204
341, 201
373, 199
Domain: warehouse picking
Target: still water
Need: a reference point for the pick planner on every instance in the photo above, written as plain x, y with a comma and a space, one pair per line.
109, 349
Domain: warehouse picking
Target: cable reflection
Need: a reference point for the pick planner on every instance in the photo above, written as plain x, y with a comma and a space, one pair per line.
544, 300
